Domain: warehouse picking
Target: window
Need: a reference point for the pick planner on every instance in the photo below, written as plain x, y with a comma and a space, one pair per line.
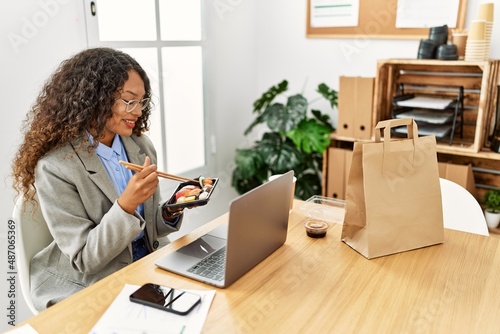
165, 37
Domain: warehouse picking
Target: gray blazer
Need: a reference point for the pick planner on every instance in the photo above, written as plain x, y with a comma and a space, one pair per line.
92, 234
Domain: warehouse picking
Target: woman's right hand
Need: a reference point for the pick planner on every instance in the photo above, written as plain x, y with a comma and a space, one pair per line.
140, 188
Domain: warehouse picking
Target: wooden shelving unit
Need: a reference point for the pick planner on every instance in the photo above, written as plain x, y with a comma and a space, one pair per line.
479, 81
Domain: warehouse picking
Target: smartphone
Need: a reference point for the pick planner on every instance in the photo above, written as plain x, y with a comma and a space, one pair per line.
165, 298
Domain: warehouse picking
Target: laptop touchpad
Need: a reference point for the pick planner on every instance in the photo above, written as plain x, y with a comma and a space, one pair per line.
203, 246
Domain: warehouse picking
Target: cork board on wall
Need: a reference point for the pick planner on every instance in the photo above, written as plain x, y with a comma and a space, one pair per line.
377, 19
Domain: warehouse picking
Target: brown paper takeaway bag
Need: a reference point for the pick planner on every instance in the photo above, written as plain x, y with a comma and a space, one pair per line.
393, 199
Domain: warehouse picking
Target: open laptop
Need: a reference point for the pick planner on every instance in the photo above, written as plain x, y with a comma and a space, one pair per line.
257, 226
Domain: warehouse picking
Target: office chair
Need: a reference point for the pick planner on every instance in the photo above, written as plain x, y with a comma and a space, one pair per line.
32, 236
461, 210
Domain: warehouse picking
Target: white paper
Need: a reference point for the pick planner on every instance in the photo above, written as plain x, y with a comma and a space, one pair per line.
334, 13
126, 317
427, 13
425, 102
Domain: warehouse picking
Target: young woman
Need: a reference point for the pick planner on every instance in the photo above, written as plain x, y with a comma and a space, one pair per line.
90, 114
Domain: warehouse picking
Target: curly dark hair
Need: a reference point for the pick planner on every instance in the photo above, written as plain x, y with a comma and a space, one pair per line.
76, 99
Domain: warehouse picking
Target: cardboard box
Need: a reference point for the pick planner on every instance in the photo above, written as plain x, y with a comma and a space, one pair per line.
460, 174
355, 107
339, 164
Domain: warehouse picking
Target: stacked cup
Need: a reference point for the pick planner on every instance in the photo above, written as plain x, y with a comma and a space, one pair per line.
447, 52
427, 49
486, 13
475, 49
479, 39
436, 47
439, 34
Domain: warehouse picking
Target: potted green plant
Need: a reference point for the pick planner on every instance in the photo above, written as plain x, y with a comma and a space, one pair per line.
294, 138
492, 204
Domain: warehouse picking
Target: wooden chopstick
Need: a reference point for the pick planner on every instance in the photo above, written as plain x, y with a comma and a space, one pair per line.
138, 168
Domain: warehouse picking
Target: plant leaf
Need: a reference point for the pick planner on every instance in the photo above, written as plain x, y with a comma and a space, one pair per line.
261, 103
329, 94
308, 184
276, 117
251, 170
280, 118
283, 119
310, 136
278, 153
297, 105
244, 184
492, 200
248, 162
259, 119
323, 119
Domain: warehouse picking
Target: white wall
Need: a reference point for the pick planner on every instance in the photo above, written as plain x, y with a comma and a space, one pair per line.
285, 53
251, 45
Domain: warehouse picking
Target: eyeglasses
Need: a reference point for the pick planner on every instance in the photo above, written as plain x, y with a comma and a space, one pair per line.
132, 104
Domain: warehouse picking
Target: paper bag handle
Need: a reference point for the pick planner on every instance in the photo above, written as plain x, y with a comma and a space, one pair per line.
387, 125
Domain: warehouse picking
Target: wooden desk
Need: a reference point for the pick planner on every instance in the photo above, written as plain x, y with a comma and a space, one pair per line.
323, 286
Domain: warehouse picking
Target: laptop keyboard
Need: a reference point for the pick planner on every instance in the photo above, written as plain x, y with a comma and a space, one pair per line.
212, 266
